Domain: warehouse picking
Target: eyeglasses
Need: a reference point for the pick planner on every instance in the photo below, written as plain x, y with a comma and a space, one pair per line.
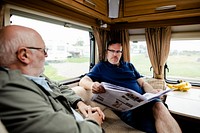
45, 50
113, 51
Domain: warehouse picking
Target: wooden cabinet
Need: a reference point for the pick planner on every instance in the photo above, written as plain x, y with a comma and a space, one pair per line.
96, 9
132, 13
97, 5
143, 13
144, 7
91, 7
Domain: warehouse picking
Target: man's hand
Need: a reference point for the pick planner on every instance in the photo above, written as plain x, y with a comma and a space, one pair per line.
155, 90
91, 113
97, 88
94, 115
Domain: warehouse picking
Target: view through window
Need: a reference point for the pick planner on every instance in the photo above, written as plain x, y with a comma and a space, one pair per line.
184, 60
69, 48
140, 58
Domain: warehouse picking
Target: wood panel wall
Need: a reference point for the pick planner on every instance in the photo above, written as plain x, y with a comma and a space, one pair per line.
133, 13
143, 13
72, 10
144, 7
96, 5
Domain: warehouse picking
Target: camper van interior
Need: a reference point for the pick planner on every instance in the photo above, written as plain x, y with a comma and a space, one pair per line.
76, 33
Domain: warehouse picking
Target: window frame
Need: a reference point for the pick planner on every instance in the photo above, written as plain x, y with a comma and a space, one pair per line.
139, 35
23, 12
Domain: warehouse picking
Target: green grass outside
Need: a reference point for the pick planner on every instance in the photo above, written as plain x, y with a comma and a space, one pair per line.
142, 64
179, 66
184, 66
77, 60
52, 72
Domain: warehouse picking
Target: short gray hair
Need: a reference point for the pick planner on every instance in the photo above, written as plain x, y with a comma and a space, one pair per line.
10, 42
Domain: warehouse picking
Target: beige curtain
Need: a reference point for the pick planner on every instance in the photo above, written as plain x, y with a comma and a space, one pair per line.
123, 37
158, 45
2, 11
101, 37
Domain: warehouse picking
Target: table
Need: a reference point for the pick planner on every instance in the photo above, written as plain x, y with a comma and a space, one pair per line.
184, 103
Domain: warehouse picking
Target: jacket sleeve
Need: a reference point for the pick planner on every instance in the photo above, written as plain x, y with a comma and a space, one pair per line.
24, 108
66, 91
71, 96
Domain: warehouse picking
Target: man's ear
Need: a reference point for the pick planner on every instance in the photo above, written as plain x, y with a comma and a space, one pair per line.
23, 55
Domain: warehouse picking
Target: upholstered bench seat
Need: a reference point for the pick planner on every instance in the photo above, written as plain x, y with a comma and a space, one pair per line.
113, 124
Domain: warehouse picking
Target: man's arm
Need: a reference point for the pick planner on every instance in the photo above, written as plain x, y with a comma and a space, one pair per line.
31, 112
77, 102
87, 83
146, 86
26, 108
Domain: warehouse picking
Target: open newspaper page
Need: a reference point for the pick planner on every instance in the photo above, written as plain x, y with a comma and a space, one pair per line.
124, 99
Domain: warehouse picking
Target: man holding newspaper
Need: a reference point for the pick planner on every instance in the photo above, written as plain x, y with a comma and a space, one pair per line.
151, 117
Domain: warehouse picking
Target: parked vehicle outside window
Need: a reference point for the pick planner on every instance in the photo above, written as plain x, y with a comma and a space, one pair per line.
69, 48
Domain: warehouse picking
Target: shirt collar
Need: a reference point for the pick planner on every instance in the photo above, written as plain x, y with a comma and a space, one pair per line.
39, 80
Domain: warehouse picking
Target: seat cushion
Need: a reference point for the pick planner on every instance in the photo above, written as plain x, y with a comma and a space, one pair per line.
112, 123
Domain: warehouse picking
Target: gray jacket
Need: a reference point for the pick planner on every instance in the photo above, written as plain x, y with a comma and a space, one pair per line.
26, 107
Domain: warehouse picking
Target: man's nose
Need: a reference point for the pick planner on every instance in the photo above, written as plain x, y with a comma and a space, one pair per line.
115, 53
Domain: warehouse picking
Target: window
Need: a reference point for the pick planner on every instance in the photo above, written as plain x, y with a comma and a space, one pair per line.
184, 55
69, 48
138, 52
140, 58
184, 60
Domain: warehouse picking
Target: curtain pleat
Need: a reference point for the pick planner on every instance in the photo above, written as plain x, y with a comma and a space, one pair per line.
158, 45
101, 37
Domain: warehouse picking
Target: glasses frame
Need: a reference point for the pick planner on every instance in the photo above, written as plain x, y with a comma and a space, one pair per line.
114, 51
45, 50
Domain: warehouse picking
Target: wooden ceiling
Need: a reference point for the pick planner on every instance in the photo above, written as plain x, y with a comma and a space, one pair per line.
132, 13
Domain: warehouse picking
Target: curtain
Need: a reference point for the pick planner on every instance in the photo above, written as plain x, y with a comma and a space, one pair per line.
158, 45
101, 37
122, 36
2, 11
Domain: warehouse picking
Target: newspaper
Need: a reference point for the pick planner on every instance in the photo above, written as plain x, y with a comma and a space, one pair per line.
124, 99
